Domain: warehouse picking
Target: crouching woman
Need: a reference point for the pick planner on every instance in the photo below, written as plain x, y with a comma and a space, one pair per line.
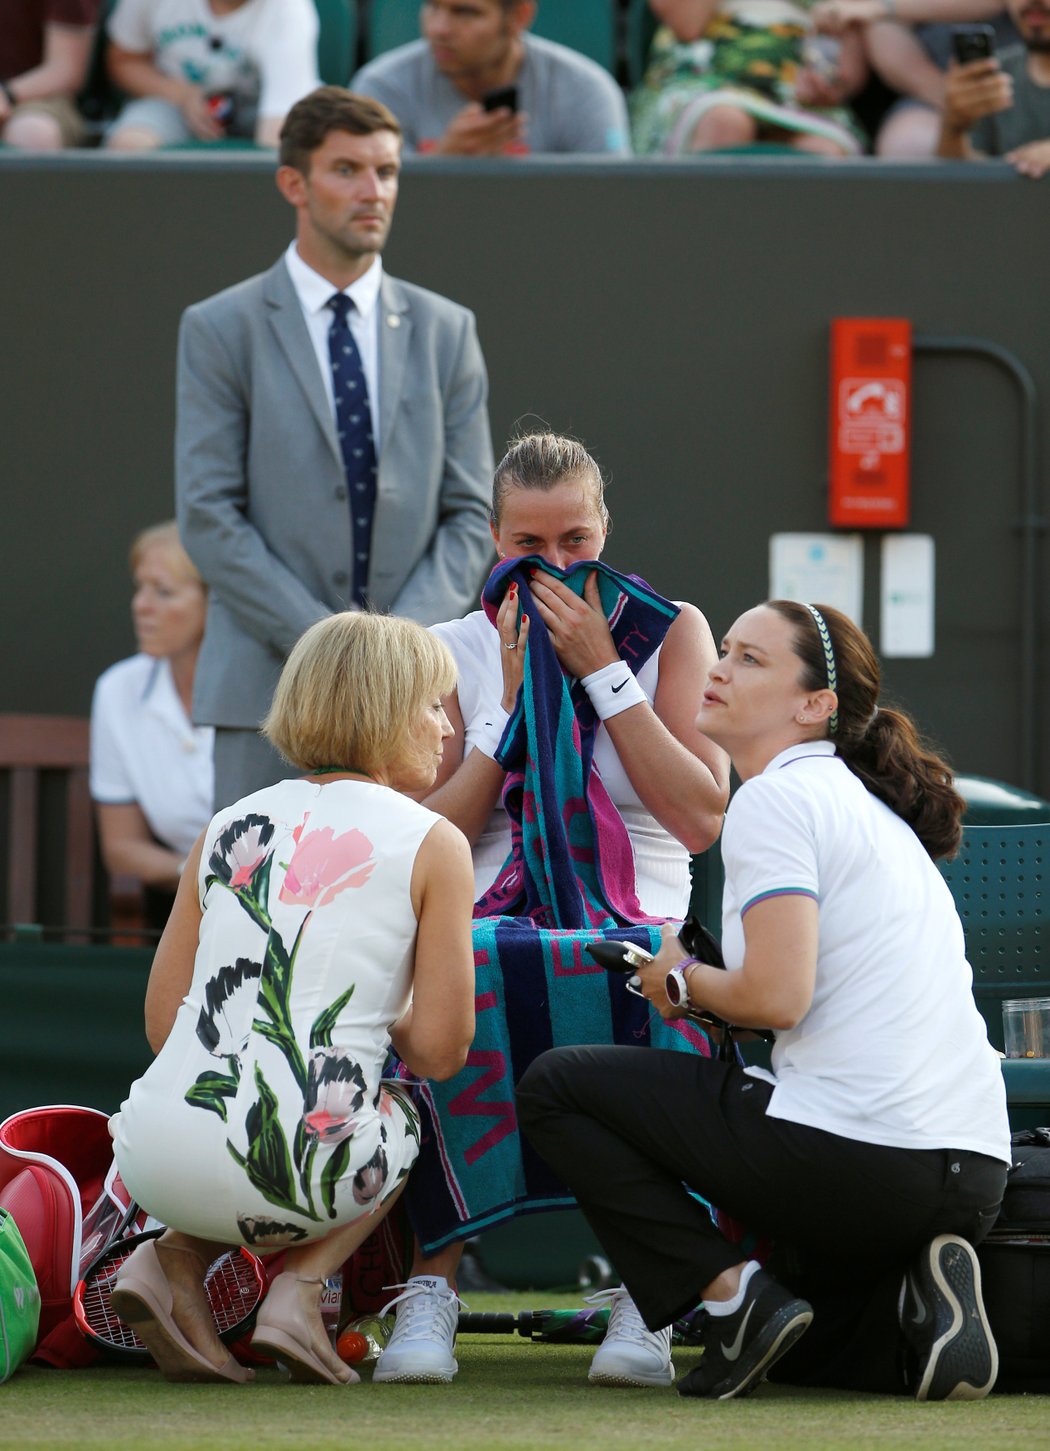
317, 921
875, 1151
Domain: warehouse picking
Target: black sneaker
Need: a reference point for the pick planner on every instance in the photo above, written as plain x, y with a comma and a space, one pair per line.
740, 1348
953, 1355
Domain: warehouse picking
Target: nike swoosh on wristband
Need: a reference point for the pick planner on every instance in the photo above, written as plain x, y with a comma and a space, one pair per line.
732, 1351
620, 686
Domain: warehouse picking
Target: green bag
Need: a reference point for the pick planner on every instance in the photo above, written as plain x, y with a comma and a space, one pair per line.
19, 1299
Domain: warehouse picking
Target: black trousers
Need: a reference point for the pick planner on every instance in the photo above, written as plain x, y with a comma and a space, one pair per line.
632, 1130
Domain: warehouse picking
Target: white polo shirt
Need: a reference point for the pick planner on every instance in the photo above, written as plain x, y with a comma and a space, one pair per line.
893, 1049
144, 749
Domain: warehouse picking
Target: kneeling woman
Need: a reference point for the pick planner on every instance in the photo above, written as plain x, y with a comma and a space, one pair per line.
875, 1152
317, 921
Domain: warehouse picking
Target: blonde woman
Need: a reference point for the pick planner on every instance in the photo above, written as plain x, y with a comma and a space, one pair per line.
151, 768
318, 921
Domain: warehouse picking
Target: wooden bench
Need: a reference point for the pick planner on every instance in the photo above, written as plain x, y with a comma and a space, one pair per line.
50, 871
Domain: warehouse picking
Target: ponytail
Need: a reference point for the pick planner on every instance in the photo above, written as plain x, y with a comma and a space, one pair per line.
895, 765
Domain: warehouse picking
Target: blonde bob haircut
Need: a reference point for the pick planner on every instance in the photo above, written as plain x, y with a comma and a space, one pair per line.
352, 692
163, 536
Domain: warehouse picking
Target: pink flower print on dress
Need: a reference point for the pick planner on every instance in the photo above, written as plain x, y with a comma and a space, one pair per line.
335, 1092
241, 849
323, 865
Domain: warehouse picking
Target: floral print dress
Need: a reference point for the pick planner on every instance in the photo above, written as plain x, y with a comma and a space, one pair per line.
264, 1119
748, 57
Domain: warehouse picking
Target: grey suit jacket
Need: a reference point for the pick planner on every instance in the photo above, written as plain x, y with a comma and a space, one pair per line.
260, 488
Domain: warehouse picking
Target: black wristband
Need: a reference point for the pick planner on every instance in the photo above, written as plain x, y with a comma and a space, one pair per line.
12, 99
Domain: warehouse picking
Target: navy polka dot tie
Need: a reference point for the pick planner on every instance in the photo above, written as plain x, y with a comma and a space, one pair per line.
354, 426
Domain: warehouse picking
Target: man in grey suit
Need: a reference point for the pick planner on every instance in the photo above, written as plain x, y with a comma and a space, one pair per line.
274, 506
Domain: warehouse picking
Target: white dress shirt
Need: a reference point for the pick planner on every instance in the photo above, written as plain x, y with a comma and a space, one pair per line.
313, 292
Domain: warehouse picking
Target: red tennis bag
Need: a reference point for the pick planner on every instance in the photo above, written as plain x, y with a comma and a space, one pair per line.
59, 1183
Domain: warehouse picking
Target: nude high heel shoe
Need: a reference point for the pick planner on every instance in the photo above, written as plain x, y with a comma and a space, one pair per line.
142, 1298
283, 1329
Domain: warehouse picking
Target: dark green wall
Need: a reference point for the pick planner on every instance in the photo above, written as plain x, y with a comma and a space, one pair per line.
674, 316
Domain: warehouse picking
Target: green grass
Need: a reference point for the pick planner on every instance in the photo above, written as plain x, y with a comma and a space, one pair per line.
510, 1395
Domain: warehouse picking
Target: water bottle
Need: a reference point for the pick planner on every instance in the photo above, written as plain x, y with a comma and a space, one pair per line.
364, 1338
332, 1304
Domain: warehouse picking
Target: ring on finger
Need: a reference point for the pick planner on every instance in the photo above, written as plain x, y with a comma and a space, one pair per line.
510, 647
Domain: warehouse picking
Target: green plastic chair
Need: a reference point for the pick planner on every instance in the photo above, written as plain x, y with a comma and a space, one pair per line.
588, 26
997, 803
641, 27
708, 879
337, 40
1000, 881
390, 23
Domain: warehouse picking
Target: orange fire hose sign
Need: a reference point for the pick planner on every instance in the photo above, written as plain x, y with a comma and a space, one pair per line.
869, 472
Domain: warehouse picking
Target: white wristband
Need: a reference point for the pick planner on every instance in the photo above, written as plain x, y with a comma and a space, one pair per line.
612, 689
486, 736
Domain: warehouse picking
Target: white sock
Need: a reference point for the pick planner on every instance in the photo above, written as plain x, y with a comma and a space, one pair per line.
730, 1307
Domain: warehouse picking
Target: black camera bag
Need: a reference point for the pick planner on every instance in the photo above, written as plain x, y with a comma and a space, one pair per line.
1015, 1268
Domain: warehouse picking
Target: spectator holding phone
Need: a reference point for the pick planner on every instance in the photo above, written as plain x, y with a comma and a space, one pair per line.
478, 84
1000, 106
208, 70
909, 46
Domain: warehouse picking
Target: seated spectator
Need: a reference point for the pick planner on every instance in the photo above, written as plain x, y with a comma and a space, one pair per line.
436, 87
729, 73
151, 768
205, 70
320, 920
874, 1151
45, 50
1001, 107
911, 61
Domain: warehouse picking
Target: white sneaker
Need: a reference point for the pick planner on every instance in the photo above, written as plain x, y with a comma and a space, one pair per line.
630, 1354
419, 1351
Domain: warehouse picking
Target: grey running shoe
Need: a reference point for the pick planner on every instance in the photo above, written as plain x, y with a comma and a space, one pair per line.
740, 1348
942, 1317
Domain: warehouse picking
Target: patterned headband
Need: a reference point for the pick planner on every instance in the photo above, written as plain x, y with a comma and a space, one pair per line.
829, 664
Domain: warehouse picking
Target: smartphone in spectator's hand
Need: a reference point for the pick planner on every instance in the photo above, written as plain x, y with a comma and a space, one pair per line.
972, 42
503, 98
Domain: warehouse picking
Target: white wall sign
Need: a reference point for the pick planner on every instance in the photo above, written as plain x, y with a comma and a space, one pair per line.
907, 596
825, 569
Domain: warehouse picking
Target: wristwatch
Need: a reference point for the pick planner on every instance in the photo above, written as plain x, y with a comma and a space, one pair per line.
675, 985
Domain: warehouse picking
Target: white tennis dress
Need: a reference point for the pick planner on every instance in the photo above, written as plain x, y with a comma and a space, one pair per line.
263, 1119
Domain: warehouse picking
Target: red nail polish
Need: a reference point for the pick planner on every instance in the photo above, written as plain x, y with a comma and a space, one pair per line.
513, 589
534, 571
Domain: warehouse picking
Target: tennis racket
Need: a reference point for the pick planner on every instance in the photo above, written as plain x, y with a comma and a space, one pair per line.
235, 1285
565, 1327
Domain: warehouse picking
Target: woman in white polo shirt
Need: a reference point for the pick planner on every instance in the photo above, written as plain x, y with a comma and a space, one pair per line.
875, 1151
151, 767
